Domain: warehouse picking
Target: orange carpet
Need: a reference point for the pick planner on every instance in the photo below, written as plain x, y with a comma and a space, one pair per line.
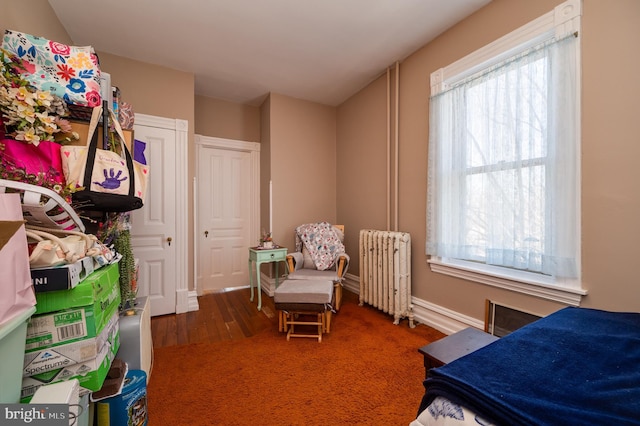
367, 371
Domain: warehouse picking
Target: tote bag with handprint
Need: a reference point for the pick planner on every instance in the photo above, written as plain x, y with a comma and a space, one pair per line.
107, 181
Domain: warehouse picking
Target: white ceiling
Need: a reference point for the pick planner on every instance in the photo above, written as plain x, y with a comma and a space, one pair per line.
240, 50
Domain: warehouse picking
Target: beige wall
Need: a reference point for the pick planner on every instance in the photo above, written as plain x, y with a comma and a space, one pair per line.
302, 143
265, 164
33, 17
228, 120
152, 89
610, 150
362, 165
610, 192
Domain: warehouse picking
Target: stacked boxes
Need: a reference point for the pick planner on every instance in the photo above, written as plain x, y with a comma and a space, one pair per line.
74, 334
61, 277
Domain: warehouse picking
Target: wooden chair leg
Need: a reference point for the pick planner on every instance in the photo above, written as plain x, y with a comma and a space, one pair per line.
338, 291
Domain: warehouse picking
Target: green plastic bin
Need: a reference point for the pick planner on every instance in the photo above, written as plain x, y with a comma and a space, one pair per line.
13, 334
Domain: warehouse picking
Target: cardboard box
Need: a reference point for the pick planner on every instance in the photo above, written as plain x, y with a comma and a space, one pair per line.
70, 325
40, 360
91, 374
93, 290
82, 128
62, 277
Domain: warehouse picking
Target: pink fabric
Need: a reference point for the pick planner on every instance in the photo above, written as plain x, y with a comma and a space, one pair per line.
16, 291
43, 160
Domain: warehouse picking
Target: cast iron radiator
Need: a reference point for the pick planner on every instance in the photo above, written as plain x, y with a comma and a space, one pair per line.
385, 272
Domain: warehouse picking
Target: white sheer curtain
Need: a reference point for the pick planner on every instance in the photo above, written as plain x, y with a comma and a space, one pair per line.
503, 165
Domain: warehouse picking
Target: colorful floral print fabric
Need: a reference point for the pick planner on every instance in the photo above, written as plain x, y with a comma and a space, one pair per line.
70, 72
322, 241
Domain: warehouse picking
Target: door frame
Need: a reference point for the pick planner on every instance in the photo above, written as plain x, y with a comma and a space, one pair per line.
181, 128
253, 148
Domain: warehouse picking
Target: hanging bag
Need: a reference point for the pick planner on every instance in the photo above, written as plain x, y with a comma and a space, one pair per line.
110, 182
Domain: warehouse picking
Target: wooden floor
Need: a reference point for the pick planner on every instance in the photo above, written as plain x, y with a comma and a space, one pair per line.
222, 316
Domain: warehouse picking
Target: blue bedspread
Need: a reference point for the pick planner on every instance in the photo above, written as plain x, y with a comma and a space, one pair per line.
576, 366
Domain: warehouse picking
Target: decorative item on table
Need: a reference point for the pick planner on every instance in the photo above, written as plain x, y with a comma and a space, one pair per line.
266, 242
70, 72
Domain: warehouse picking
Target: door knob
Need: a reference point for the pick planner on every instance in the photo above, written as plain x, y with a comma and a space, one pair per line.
169, 240
206, 234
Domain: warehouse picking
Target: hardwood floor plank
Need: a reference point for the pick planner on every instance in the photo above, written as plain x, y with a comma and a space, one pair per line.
158, 331
223, 307
182, 332
239, 314
219, 316
213, 332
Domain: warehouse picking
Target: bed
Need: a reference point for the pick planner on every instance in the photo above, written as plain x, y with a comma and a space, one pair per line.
577, 366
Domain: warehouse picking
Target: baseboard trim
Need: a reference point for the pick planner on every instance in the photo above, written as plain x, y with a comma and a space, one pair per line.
193, 301
438, 317
182, 301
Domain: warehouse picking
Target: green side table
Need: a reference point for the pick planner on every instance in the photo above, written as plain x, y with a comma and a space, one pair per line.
259, 256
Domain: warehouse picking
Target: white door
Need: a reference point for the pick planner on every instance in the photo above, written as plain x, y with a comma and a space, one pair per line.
226, 209
156, 236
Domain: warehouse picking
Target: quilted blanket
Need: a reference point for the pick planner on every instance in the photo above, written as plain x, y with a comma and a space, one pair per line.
321, 241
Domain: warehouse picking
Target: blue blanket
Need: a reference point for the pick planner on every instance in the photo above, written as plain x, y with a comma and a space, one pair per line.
576, 366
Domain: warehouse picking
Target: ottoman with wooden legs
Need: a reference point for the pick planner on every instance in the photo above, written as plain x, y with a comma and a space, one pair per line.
305, 303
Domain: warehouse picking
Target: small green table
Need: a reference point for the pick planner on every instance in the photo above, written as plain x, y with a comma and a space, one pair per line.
259, 256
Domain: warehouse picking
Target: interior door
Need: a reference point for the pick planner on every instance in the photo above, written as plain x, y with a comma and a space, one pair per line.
224, 217
153, 233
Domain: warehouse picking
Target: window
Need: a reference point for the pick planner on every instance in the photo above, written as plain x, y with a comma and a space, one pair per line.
504, 158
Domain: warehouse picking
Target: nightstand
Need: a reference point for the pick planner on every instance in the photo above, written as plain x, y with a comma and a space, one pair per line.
454, 346
259, 256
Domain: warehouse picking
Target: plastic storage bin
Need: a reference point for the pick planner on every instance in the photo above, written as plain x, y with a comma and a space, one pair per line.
13, 335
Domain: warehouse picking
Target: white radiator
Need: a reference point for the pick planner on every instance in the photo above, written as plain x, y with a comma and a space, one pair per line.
385, 272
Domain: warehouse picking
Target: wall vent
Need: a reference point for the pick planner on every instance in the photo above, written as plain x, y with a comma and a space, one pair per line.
501, 320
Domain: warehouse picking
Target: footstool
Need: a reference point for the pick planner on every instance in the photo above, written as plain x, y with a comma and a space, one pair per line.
297, 299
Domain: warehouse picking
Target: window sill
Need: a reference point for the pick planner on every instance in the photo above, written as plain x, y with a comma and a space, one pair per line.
470, 272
